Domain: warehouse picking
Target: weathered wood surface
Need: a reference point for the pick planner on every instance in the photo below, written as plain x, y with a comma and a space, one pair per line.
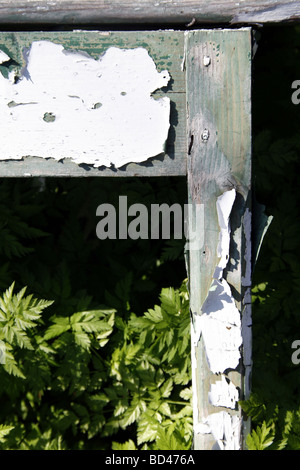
70, 12
218, 67
167, 51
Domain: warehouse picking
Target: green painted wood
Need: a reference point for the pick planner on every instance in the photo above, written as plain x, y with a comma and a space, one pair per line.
218, 65
166, 49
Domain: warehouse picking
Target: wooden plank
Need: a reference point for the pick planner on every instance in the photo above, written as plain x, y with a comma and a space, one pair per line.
218, 66
70, 12
166, 48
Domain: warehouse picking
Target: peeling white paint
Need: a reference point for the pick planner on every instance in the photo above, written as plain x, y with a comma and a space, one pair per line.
220, 322
223, 393
3, 57
224, 207
224, 428
221, 328
224, 334
68, 105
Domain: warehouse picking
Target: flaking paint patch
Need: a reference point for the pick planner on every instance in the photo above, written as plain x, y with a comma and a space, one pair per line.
223, 393
224, 428
220, 327
68, 105
224, 208
3, 57
220, 322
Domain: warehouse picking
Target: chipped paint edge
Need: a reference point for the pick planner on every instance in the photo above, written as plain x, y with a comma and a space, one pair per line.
224, 426
82, 142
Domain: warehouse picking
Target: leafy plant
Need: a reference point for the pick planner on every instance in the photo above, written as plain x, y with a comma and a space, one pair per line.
261, 438
98, 366
4, 431
17, 315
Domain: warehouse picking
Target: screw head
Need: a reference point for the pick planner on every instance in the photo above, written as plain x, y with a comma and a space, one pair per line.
205, 135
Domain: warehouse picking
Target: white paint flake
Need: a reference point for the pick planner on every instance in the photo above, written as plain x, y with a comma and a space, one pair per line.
3, 57
223, 393
220, 322
224, 428
224, 207
68, 105
221, 328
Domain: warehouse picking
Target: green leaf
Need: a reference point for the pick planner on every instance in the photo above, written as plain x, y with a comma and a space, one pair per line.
19, 315
10, 365
166, 388
165, 409
147, 428
133, 412
81, 324
261, 438
170, 301
4, 431
167, 439
186, 393
60, 326
254, 407
82, 339
128, 445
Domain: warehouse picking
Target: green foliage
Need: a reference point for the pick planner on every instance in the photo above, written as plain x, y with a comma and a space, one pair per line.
17, 315
128, 445
274, 427
106, 362
274, 406
261, 438
4, 430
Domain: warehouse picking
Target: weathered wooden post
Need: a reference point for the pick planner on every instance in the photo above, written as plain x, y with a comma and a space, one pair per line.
207, 139
218, 65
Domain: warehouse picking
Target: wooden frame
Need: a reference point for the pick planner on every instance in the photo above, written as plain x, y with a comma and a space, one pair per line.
210, 143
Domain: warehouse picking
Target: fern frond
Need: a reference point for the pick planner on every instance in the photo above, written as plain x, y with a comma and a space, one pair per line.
18, 314
128, 445
261, 438
4, 431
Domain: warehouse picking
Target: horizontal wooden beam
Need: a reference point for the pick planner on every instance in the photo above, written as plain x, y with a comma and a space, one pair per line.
182, 12
166, 49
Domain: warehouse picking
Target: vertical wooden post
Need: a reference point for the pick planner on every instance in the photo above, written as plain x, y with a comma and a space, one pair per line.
218, 68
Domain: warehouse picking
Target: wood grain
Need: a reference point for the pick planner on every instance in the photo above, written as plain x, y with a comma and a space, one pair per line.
99, 12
